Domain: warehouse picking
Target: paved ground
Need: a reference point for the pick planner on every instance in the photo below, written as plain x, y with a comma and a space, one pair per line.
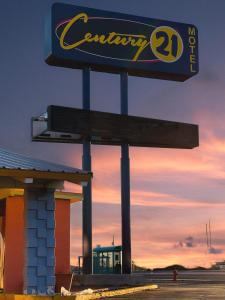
181, 292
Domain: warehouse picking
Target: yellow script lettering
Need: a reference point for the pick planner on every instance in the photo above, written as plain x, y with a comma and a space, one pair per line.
66, 30
112, 38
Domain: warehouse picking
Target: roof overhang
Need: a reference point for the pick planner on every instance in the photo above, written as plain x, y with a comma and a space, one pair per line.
19, 171
21, 174
72, 197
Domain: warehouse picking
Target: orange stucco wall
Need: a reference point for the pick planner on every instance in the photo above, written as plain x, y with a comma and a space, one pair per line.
62, 233
14, 245
14, 242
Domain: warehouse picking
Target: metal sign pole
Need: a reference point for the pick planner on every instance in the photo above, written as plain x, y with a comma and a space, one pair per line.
125, 184
87, 190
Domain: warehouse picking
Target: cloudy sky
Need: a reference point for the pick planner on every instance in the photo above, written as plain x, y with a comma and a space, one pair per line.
173, 192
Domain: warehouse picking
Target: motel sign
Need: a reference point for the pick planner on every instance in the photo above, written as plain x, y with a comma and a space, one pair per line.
111, 42
96, 40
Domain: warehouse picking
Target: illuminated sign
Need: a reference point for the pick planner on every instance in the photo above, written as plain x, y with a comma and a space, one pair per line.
113, 42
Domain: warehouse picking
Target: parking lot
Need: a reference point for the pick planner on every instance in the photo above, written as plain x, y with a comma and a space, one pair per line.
181, 292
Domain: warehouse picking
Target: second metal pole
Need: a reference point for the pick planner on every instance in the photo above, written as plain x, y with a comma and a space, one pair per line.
87, 190
125, 185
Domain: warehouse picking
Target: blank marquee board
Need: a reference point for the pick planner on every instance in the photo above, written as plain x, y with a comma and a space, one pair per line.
71, 125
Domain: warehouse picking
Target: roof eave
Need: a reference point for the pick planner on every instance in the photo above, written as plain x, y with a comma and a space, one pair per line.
77, 178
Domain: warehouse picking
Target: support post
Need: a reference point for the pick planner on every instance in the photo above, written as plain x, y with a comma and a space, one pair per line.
39, 269
125, 185
87, 190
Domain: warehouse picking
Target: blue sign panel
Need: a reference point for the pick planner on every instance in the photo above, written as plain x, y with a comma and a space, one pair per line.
112, 42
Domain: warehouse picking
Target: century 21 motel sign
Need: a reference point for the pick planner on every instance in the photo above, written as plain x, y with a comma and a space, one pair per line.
90, 39
114, 42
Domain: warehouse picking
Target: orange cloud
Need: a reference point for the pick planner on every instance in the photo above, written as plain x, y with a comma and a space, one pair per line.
161, 217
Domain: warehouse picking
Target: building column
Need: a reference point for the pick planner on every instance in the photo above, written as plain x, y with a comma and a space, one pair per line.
39, 269
14, 239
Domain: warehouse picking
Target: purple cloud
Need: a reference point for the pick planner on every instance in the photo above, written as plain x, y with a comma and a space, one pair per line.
213, 250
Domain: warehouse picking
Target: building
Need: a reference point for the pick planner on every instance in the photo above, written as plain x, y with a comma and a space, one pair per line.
107, 260
220, 265
35, 221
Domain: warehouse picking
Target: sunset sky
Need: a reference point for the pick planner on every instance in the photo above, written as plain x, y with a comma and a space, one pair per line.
173, 192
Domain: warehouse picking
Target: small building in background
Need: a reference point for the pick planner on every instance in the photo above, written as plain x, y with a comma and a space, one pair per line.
220, 265
107, 260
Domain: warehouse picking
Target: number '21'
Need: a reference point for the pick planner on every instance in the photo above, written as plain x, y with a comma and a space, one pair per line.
165, 48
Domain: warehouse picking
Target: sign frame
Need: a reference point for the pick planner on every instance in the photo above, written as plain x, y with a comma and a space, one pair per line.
151, 63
